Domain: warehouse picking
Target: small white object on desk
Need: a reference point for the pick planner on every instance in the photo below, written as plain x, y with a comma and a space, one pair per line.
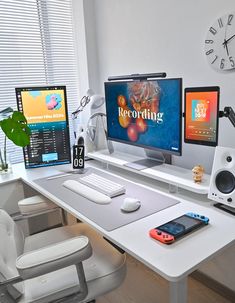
130, 204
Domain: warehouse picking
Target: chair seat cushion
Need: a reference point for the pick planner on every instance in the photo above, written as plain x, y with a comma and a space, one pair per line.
104, 270
35, 204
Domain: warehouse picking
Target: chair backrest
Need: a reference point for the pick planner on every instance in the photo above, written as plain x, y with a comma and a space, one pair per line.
11, 246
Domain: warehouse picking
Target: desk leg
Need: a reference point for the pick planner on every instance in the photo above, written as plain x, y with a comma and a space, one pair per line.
64, 217
178, 291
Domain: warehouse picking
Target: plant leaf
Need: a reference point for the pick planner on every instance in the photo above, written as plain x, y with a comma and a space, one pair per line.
16, 129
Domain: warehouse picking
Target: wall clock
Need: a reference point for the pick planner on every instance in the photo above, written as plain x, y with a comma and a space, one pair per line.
220, 43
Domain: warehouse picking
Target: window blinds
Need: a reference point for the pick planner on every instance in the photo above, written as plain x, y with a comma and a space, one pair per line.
37, 47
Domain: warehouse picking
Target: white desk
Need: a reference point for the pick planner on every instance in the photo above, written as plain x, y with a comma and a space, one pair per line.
174, 262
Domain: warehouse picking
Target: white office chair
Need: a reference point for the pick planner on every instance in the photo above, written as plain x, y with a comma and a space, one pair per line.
65, 264
37, 205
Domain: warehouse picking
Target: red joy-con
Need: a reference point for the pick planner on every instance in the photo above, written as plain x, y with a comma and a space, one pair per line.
161, 236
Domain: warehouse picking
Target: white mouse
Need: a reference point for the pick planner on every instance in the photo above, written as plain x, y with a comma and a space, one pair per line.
130, 204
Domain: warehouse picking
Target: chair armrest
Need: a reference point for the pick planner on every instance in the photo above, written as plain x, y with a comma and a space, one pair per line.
19, 217
53, 257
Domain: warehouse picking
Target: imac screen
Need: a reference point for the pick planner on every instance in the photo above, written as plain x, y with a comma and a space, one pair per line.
45, 109
201, 115
145, 113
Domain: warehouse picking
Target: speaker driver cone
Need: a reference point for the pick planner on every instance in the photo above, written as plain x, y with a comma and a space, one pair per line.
225, 182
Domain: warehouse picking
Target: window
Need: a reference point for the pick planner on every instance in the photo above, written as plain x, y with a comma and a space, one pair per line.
37, 47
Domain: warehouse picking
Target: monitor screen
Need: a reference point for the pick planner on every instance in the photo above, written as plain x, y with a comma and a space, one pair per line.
201, 115
45, 109
145, 113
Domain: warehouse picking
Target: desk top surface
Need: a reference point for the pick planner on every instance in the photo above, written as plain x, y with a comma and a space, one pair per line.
174, 261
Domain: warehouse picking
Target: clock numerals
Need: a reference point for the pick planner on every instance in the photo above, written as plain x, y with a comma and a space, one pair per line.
232, 61
210, 51
222, 63
213, 30
209, 41
216, 57
230, 18
220, 23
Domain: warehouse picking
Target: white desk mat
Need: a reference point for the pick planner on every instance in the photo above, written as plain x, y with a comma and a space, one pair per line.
108, 216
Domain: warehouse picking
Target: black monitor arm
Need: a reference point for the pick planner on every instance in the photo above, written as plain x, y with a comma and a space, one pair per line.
228, 112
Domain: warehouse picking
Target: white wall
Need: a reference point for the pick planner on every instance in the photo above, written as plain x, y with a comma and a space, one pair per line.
142, 36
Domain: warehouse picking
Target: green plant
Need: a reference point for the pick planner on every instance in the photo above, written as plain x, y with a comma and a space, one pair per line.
14, 125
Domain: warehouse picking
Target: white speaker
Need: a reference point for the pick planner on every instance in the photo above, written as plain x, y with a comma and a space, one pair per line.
222, 183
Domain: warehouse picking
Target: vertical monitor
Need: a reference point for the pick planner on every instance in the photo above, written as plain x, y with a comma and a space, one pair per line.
45, 109
201, 115
145, 113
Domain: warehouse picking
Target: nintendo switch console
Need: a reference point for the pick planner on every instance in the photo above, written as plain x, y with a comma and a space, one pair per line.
177, 228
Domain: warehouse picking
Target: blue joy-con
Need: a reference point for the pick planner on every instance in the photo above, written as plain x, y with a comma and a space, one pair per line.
199, 217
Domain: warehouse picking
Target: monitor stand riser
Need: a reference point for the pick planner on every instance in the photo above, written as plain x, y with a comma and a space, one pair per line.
154, 158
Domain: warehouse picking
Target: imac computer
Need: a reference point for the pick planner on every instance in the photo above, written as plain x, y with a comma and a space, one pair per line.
201, 115
147, 114
45, 109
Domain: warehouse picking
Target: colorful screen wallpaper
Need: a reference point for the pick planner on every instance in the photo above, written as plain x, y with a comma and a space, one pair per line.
43, 106
145, 113
201, 116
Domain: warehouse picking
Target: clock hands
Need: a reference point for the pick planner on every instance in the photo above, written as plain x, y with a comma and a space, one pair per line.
226, 41
226, 46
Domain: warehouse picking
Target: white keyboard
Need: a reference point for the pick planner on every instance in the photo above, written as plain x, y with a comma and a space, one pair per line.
87, 192
103, 185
